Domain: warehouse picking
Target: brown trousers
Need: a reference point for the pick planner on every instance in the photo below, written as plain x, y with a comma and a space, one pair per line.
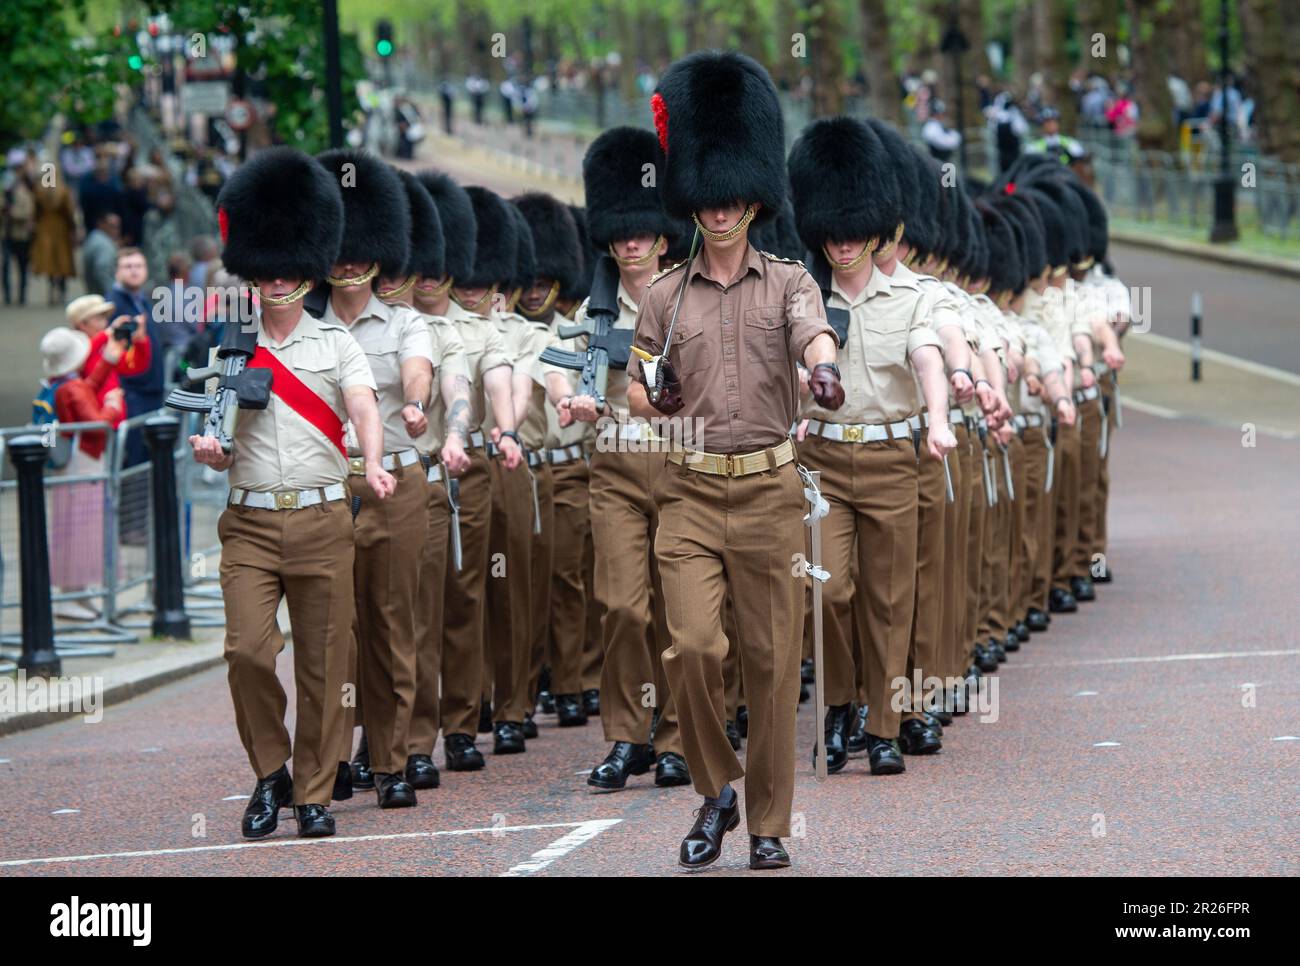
1090, 417
305, 556
593, 645
1103, 468
624, 519
390, 537
981, 519
1012, 611
1068, 448
926, 651
744, 536
956, 518
462, 633
1036, 504
568, 614
509, 621
1045, 525
993, 562
872, 491
542, 564
435, 558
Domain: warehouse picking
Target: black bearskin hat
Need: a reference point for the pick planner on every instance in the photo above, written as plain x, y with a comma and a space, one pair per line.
1004, 268
842, 184
620, 202
587, 267
281, 216
922, 224
496, 249
722, 133
1024, 213
456, 213
1074, 217
376, 214
428, 248
1053, 221
904, 168
525, 272
555, 238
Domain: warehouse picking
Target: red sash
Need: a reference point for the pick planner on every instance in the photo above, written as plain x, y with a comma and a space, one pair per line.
299, 397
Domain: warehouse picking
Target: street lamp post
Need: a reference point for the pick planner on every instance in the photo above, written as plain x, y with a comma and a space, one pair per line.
1225, 187
955, 44
333, 73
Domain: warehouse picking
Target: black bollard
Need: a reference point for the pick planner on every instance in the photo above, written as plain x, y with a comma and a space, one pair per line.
169, 617
29, 454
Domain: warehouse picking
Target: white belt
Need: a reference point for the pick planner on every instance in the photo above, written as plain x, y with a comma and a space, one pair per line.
434, 474
632, 432
567, 454
1027, 420
860, 433
286, 499
1085, 395
390, 462
955, 415
476, 439
535, 458
922, 420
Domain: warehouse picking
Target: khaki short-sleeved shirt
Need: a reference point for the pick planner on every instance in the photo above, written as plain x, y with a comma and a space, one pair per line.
448, 360
484, 350
1048, 310
524, 341
943, 309
1042, 350
276, 448
888, 321
617, 382
576, 432
735, 347
389, 335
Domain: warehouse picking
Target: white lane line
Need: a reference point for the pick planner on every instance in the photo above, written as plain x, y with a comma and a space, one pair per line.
1106, 744
1223, 358
1161, 658
1164, 413
66, 811
286, 843
561, 847
1085, 694
234, 798
1287, 738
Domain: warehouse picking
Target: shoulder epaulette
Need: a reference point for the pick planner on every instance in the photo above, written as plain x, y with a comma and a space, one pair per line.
667, 271
777, 258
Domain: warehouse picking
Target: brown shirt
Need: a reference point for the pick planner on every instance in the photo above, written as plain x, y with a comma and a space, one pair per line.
735, 347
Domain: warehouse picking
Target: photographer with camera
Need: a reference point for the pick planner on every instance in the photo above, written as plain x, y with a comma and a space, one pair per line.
133, 352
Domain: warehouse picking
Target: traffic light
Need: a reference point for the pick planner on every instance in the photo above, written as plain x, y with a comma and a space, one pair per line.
384, 38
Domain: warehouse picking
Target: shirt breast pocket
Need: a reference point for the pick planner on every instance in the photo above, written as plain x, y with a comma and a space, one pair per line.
382, 354
765, 337
884, 342
690, 352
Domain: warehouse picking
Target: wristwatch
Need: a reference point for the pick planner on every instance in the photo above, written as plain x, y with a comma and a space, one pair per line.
513, 435
416, 403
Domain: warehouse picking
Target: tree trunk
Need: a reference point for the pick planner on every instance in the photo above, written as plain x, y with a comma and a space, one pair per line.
974, 62
1024, 45
884, 94
1151, 25
826, 64
1277, 104
1189, 50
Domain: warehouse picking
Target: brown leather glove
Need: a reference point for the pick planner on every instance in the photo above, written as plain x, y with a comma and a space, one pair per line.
825, 385
670, 396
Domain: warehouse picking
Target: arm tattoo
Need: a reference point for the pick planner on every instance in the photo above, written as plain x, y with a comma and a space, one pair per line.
458, 418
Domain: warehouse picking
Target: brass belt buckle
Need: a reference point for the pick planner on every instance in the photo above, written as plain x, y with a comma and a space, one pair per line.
287, 501
729, 464
357, 465
853, 434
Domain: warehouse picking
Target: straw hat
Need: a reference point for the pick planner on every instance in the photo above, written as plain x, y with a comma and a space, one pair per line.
63, 350
84, 306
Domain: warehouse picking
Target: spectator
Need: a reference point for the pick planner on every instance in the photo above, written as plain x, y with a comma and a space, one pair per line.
1062, 147
135, 205
206, 258
144, 392
77, 527
54, 237
1122, 114
77, 159
182, 322
19, 217
477, 87
100, 189
1009, 128
162, 236
89, 315
939, 137
99, 253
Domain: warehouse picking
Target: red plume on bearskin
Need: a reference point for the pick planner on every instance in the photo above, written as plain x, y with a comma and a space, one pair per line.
660, 110
223, 222
1010, 188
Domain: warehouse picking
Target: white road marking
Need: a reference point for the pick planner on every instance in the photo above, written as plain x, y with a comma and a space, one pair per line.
561, 847
4, 761
585, 771
66, 811
1223, 358
289, 843
1085, 694
234, 798
1150, 409
1161, 658
1287, 738
149, 751
1106, 744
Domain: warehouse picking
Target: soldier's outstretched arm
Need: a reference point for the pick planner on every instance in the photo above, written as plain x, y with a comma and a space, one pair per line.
363, 411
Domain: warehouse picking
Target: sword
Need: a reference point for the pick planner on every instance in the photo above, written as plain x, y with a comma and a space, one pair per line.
537, 506
1103, 443
1049, 438
990, 491
817, 508
947, 479
453, 497
1006, 466
1119, 406
651, 366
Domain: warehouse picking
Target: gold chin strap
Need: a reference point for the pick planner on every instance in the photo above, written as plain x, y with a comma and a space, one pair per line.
940, 267
546, 306
1086, 264
851, 265
1059, 270
361, 279
398, 292
441, 289
655, 251
514, 298
721, 236
295, 295
886, 249
477, 307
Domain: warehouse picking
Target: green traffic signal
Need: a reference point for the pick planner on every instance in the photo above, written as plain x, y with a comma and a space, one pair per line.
384, 47
135, 62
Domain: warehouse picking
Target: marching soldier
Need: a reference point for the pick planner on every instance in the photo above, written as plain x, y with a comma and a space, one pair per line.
625, 219
730, 512
443, 457
287, 531
390, 535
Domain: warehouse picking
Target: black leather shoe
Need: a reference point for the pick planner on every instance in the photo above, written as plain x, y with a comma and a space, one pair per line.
984, 660
885, 757
997, 650
623, 760
342, 783
838, 724
742, 721
915, 738
857, 742
362, 776
1036, 620
591, 702
530, 726
508, 738
1082, 589
807, 671
314, 821
670, 770
460, 754
262, 813
545, 702
766, 852
1061, 601
485, 719
569, 711
934, 720
733, 735
805, 692
393, 790
703, 843
1012, 643
1104, 577
1021, 630
421, 772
